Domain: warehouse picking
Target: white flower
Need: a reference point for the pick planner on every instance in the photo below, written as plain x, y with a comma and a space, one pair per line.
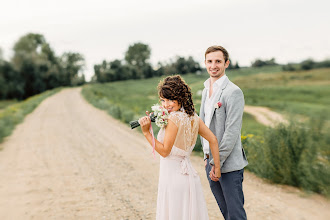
162, 115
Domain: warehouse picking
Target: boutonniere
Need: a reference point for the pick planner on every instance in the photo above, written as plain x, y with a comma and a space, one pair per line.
217, 105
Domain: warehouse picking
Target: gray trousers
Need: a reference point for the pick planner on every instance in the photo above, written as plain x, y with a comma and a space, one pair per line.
228, 193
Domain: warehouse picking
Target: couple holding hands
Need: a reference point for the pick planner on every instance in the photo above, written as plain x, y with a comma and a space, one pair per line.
180, 194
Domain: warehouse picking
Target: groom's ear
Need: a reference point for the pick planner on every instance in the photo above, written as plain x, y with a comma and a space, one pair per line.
227, 63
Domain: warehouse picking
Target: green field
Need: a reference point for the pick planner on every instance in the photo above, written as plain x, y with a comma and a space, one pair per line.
303, 94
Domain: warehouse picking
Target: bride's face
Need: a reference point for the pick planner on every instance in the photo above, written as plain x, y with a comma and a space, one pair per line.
170, 105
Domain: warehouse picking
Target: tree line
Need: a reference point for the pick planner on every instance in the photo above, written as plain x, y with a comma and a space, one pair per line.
136, 65
303, 65
35, 68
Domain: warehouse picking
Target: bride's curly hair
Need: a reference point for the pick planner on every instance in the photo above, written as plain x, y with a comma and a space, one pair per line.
175, 88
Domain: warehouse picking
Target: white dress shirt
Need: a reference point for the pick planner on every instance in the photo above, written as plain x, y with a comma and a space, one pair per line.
209, 106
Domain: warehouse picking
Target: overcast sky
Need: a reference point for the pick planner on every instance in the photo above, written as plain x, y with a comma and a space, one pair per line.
290, 31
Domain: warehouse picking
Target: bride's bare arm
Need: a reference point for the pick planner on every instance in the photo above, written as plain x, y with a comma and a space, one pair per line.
206, 133
170, 135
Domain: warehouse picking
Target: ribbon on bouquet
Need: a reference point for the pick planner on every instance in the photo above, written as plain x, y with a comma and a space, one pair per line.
153, 139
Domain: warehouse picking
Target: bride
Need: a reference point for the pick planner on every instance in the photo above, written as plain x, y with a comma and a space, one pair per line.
180, 194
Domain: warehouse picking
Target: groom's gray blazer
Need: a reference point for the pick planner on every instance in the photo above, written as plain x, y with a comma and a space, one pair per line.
226, 124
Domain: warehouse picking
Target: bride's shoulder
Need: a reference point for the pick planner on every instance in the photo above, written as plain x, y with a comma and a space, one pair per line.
176, 114
179, 114
174, 117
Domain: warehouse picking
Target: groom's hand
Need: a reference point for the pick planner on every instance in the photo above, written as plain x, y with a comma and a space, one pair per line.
213, 175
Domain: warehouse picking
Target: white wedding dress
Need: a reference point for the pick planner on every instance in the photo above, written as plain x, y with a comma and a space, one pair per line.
180, 194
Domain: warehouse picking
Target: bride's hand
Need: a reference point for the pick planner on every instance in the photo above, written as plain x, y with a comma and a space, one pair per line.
145, 124
215, 174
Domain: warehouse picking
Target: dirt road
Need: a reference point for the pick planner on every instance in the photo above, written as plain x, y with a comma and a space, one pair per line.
265, 116
68, 160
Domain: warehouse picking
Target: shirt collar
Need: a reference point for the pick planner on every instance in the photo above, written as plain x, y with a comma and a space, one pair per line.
216, 84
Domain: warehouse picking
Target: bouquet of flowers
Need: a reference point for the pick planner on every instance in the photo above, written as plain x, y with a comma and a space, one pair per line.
159, 115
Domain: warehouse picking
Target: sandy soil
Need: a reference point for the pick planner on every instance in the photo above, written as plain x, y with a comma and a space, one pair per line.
265, 116
69, 160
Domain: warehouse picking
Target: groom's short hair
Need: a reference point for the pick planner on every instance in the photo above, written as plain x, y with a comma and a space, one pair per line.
215, 48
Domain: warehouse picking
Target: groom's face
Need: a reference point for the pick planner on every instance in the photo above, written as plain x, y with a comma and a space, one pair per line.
215, 64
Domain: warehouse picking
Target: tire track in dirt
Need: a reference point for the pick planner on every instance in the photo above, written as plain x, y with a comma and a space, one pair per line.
265, 116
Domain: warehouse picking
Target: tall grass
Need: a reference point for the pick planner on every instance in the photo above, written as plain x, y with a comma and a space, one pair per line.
14, 114
297, 155
5, 103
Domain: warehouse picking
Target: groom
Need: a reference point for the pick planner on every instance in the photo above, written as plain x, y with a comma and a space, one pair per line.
222, 110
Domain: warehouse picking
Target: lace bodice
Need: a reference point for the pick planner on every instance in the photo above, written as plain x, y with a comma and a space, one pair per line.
187, 133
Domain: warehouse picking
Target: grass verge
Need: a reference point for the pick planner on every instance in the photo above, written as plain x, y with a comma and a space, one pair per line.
15, 113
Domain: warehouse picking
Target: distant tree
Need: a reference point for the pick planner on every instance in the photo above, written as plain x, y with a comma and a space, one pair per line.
322, 64
289, 67
33, 60
100, 72
72, 64
179, 65
159, 69
148, 71
119, 70
307, 64
193, 66
260, 63
137, 56
183, 65
232, 65
113, 71
11, 86
137, 66
35, 67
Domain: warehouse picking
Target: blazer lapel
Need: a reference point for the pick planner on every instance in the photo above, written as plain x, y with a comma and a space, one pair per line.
218, 95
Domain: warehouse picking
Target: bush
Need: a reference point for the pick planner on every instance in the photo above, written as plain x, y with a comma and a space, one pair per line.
323, 64
314, 167
289, 67
297, 155
307, 64
285, 146
260, 63
255, 152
